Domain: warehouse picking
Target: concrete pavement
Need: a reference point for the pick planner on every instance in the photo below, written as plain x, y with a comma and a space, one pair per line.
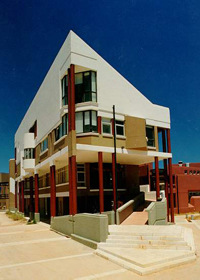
35, 252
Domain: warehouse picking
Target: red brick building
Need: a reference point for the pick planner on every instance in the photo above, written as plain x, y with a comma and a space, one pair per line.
186, 185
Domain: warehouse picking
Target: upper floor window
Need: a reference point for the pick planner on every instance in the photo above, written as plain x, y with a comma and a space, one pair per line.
64, 84
29, 153
86, 121
44, 145
120, 128
62, 129
85, 87
106, 126
150, 136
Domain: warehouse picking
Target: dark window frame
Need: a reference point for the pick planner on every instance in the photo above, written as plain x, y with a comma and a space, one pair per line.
62, 129
150, 140
87, 128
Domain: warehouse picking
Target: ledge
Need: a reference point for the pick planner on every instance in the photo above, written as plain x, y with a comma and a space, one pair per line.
59, 140
87, 134
42, 153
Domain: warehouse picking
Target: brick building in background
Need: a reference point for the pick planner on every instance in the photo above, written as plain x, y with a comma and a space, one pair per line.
186, 185
4, 190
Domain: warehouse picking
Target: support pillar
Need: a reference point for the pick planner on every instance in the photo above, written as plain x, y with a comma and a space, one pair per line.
53, 190
170, 176
72, 142
31, 195
114, 183
157, 179
37, 214
16, 196
22, 196
101, 194
165, 171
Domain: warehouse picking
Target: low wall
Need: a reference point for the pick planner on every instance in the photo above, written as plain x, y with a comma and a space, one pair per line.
63, 224
157, 212
195, 201
88, 229
127, 209
111, 217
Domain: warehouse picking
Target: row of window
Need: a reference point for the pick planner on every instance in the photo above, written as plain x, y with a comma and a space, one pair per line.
85, 87
192, 172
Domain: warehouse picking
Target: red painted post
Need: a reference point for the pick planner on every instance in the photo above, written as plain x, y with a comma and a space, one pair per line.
22, 196
53, 190
101, 194
16, 195
165, 171
149, 176
74, 188
99, 124
19, 196
170, 176
72, 111
114, 182
70, 187
31, 194
69, 99
36, 193
157, 178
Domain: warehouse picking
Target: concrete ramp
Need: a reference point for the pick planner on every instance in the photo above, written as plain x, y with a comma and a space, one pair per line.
136, 218
148, 249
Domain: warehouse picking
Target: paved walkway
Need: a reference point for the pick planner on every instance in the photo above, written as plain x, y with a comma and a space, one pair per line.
35, 252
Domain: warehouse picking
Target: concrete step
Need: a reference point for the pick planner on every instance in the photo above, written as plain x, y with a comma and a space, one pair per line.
147, 237
144, 270
144, 246
139, 241
156, 234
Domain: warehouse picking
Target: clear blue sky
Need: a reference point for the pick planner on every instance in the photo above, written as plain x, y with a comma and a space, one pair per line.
154, 44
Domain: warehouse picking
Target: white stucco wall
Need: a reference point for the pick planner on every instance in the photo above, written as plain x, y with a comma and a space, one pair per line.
112, 89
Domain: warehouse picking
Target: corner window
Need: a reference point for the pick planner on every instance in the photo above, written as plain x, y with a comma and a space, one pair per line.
62, 129
85, 87
44, 145
119, 128
29, 153
64, 85
106, 126
150, 136
86, 121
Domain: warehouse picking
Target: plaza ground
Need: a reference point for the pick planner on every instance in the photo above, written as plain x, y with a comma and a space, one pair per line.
35, 252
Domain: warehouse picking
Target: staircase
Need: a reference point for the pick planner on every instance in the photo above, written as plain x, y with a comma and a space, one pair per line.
147, 249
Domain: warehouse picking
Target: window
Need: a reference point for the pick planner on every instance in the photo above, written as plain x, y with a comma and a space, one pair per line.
80, 175
106, 126
150, 136
86, 121
44, 145
119, 128
62, 129
64, 84
198, 172
185, 172
29, 153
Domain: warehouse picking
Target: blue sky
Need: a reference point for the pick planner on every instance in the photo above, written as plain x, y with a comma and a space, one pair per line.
154, 44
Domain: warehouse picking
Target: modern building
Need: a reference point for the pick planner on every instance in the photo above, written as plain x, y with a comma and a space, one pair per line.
4, 191
64, 146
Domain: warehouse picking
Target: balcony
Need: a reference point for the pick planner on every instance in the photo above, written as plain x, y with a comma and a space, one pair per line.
29, 164
29, 152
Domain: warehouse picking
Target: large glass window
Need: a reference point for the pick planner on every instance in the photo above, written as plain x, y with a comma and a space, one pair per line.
106, 126
80, 175
44, 145
85, 88
86, 121
62, 129
120, 128
29, 153
150, 136
64, 84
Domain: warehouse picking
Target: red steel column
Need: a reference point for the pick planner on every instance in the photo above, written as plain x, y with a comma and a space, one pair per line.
19, 196
22, 196
53, 190
36, 193
101, 194
170, 176
114, 182
31, 194
99, 124
16, 195
71, 137
157, 178
165, 171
